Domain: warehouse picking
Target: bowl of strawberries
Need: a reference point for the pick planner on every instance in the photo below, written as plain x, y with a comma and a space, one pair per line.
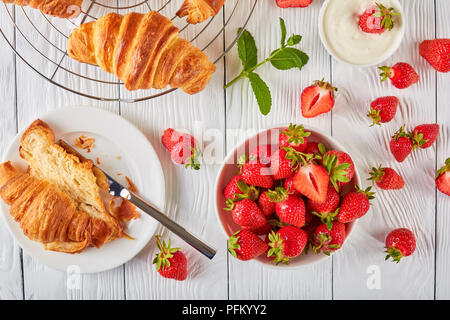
288, 196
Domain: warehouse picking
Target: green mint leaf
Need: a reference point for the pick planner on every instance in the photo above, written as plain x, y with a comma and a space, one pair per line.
262, 92
294, 39
283, 32
248, 53
289, 58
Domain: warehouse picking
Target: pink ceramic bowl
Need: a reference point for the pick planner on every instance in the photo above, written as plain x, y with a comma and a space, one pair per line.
229, 169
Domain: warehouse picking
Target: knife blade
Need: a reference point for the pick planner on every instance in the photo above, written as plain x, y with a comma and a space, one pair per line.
117, 189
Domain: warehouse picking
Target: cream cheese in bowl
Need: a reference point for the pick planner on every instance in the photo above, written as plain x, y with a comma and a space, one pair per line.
342, 36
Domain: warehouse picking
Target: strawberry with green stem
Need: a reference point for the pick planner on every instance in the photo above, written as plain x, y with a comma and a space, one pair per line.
246, 213
288, 242
257, 174
294, 136
386, 178
288, 207
383, 110
327, 240
443, 178
401, 144
282, 167
245, 245
355, 204
377, 19
238, 189
340, 168
328, 210
424, 135
402, 75
400, 243
267, 206
170, 262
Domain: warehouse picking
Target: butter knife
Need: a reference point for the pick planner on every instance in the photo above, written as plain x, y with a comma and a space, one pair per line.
118, 189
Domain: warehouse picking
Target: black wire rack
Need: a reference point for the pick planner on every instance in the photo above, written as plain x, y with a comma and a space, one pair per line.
40, 42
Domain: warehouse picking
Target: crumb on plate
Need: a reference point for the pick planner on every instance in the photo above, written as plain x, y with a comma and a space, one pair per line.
84, 143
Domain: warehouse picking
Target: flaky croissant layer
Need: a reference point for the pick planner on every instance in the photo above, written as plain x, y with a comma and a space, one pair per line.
199, 10
57, 8
143, 50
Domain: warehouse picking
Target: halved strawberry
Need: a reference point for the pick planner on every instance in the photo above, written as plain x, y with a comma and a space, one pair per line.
317, 99
312, 181
293, 3
294, 136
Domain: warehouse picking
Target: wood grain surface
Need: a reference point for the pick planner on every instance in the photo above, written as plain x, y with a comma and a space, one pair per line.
233, 114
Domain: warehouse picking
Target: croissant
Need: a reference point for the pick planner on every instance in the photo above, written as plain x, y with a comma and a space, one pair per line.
44, 213
143, 50
199, 10
57, 8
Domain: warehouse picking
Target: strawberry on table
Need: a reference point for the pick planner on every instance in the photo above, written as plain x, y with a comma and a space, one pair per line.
294, 136
386, 178
402, 75
182, 148
257, 174
424, 135
280, 166
383, 110
267, 206
289, 208
377, 19
238, 189
340, 167
355, 204
312, 181
437, 53
443, 178
326, 240
293, 3
170, 262
401, 145
245, 245
246, 213
327, 210
289, 242
400, 243
317, 99
261, 153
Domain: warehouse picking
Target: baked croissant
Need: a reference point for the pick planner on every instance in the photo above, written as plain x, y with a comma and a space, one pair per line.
143, 50
199, 10
57, 8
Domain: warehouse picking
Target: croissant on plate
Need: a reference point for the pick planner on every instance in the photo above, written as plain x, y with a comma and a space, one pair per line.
57, 8
143, 50
200, 10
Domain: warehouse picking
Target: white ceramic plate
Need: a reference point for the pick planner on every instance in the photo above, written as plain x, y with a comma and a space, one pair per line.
229, 169
123, 151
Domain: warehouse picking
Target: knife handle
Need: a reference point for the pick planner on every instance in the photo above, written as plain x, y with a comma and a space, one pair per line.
195, 242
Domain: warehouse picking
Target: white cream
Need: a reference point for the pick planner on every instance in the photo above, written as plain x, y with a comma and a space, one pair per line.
346, 40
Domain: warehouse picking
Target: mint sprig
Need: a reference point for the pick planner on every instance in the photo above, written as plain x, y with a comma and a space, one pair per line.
283, 58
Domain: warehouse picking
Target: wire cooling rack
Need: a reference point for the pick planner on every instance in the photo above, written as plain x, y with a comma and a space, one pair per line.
40, 41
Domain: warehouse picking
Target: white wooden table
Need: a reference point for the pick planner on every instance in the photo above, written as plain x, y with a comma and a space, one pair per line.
190, 195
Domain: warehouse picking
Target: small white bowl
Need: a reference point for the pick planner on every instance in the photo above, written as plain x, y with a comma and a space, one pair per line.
388, 53
229, 169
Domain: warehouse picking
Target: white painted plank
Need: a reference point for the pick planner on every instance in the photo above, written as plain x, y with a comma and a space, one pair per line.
251, 280
443, 152
36, 96
412, 207
190, 194
10, 261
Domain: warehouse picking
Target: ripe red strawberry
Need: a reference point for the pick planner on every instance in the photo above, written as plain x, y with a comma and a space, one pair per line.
289, 242
312, 147
400, 243
182, 148
261, 153
280, 166
443, 178
401, 145
326, 240
317, 99
437, 53
293, 3
256, 174
327, 210
289, 186
294, 136
238, 189
289, 208
267, 206
386, 178
383, 110
340, 167
377, 19
424, 135
245, 245
312, 181
170, 262
402, 75
355, 204
246, 213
